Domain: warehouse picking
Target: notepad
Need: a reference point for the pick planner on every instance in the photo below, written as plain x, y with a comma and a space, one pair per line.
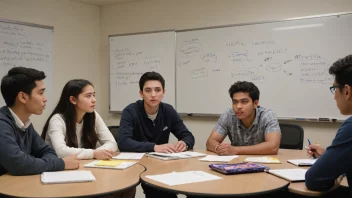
174, 156
296, 174
113, 164
264, 160
178, 178
132, 156
217, 158
67, 177
302, 162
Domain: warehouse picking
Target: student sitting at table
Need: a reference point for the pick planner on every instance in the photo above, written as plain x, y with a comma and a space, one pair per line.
336, 160
252, 129
22, 151
146, 125
74, 127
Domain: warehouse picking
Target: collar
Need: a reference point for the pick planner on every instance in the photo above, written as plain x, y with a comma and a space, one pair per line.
19, 123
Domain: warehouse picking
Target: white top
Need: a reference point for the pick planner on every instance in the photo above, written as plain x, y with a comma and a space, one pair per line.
56, 134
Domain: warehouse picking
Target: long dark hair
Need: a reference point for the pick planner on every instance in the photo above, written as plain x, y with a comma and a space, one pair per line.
68, 111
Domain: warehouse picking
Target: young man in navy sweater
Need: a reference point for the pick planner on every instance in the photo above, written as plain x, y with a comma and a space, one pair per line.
336, 160
23, 151
146, 125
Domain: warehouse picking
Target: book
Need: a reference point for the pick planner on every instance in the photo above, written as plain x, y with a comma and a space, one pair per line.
127, 155
174, 156
264, 160
238, 168
66, 177
293, 175
218, 158
302, 162
113, 164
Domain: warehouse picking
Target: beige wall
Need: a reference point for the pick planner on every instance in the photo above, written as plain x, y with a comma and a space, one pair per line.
152, 15
76, 41
80, 44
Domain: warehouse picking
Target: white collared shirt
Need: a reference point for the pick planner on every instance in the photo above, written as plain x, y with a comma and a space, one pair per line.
19, 123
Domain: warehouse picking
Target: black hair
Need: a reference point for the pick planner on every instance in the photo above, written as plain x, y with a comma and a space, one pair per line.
342, 70
19, 79
246, 87
68, 111
151, 76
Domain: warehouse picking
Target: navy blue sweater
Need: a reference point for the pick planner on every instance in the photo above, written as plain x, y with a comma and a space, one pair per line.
336, 161
24, 152
138, 133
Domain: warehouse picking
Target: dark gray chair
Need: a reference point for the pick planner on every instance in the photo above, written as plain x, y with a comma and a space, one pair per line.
114, 130
291, 136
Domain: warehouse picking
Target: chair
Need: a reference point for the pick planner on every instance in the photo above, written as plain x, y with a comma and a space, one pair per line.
114, 130
291, 136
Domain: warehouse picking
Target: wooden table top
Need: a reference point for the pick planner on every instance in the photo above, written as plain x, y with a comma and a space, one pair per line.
107, 181
230, 185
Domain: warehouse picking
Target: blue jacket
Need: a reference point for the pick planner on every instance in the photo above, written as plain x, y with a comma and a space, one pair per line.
336, 160
138, 133
24, 152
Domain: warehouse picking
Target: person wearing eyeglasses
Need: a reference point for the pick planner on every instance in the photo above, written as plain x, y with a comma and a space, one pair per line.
336, 160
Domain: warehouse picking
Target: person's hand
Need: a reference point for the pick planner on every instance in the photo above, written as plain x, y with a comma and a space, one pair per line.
315, 150
102, 154
180, 146
165, 148
226, 149
71, 162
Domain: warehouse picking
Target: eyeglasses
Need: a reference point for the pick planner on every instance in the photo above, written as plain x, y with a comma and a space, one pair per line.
333, 88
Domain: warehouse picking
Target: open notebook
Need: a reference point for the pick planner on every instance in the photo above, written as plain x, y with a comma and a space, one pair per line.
67, 177
173, 156
295, 174
302, 162
113, 164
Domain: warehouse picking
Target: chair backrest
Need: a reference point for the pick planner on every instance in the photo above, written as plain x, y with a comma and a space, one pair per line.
114, 130
291, 136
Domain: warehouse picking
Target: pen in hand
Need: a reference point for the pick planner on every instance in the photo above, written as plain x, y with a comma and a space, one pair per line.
313, 155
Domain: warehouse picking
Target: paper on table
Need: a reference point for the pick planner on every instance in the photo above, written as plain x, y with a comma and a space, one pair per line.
134, 156
295, 174
67, 177
302, 162
217, 158
178, 178
113, 164
264, 159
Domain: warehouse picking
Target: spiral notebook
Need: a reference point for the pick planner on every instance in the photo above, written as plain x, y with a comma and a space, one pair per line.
67, 177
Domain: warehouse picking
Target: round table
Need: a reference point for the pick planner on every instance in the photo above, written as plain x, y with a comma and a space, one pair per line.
107, 181
230, 185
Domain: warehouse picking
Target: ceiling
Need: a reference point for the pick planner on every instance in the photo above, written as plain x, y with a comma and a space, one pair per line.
105, 2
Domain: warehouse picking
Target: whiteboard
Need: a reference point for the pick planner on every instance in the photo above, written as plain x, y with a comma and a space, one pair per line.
133, 55
26, 45
288, 61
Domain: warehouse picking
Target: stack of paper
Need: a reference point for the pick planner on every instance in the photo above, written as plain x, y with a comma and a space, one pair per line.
217, 158
67, 177
114, 164
297, 174
178, 178
127, 156
173, 156
264, 160
302, 162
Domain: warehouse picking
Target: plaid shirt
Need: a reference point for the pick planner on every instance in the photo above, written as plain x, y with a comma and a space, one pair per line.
265, 122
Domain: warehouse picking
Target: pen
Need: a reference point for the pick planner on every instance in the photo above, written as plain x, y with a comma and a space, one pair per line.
312, 149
